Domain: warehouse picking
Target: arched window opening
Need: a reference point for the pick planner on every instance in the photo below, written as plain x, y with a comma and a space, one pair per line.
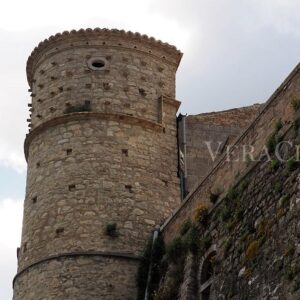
206, 275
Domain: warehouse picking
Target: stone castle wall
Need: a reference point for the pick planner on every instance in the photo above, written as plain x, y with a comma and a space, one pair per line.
248, 245
220, 129
254, 237
102, 149
226, 171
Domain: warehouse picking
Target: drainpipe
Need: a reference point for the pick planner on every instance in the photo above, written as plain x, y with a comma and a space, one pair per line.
184, 155
155, 235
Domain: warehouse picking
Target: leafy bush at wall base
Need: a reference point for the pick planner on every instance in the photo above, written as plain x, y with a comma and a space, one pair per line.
143, 270
175, 250
153, 255
192, 240
169, 289
157, 265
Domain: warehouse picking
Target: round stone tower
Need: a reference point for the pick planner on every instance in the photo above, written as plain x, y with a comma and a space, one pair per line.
102, 162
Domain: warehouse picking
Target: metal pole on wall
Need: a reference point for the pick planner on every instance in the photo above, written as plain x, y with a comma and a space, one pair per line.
155, 235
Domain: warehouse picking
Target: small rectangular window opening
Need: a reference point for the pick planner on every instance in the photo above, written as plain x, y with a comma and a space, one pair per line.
72, 187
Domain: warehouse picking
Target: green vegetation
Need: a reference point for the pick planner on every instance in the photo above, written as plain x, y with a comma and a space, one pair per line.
185, 226
278, 125
154, 255
158, 267
296, 124
143, 270
175, 250
170, 288
289, 274
242, 186
285, 201
252, 249
274, 164
205, 243
191, 240
295, 103
225, 213
232, 194
277, 187
227, 246
292, 164
239, 214
201, 214
272, 142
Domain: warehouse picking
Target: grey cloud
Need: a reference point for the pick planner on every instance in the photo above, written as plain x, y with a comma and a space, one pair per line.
238, 54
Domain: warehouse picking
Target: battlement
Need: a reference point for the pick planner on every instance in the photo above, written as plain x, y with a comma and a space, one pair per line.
102, 37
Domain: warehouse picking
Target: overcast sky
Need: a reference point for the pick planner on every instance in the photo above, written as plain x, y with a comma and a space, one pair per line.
236, 53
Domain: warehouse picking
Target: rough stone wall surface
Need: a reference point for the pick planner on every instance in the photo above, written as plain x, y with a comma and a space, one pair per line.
225, 171
79, 278
219, 129
255, 236
131, 82
100, 174
115, 163
236, 117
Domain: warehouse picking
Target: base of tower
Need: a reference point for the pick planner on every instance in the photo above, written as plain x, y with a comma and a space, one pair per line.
79, 277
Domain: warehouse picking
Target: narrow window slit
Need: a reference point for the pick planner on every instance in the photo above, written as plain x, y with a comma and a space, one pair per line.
59, 231
125, 152
129, 188
72, 187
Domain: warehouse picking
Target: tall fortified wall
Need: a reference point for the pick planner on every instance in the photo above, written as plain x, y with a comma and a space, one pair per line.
102, 162
207, 136
236, 236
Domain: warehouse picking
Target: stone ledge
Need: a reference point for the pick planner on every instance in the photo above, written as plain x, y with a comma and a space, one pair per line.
117, 255
168, 100
89, 115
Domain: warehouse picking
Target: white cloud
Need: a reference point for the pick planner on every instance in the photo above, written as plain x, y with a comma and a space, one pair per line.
11, 156
10, 232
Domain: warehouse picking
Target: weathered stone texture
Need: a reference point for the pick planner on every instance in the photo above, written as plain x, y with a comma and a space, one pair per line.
227, 169
254, 226
101, 175
257, 243
81, 278
102, 150
219, 129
